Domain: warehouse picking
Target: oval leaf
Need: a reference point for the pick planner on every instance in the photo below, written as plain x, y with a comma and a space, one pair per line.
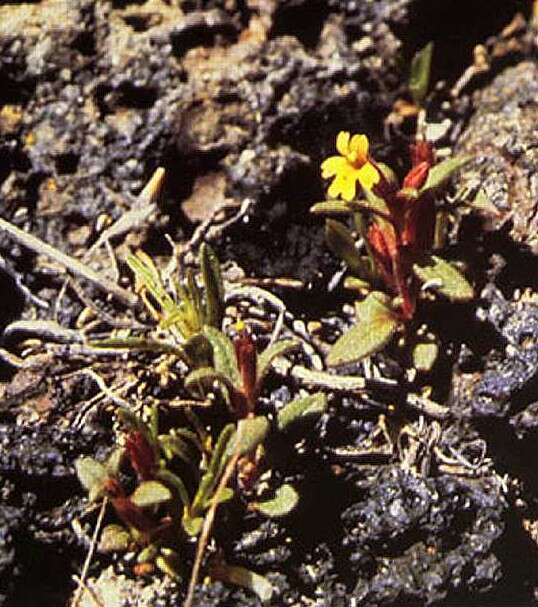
331, 207
342, 244
266, 358
91, 473
445, 279
284, 501
253, 431
419, 78
114, 538
425, 355
214, 287
150, 493
375, 327
441, 173
223, 355
301, 410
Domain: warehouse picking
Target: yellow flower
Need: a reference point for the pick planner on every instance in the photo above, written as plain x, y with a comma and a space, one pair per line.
351, 166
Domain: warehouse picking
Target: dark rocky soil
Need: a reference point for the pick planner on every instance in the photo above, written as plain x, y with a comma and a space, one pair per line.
240, 101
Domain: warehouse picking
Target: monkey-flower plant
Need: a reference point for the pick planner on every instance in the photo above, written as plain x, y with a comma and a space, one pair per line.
397, 224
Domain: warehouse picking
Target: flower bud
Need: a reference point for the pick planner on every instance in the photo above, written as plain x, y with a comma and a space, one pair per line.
422, 151
417, 176
246, 356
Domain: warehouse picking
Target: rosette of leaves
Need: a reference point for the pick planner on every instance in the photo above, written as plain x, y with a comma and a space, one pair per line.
390, 254
181, 308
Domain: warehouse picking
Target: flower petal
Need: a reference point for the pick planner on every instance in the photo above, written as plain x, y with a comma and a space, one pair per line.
368, 176
342, 143
332, 166
359, 144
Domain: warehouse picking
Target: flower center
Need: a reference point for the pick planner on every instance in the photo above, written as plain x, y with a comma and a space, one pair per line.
356, 159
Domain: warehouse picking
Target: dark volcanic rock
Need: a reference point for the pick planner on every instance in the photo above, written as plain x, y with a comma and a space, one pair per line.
501, 137
508, 380
418, 539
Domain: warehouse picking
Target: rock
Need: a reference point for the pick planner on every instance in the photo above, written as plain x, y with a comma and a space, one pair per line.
501, 137
397, 536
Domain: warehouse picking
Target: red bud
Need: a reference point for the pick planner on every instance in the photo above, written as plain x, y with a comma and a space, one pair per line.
141, 455
422, 151
246, 356
417, 176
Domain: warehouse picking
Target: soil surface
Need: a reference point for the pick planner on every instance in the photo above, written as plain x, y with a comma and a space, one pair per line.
240, 101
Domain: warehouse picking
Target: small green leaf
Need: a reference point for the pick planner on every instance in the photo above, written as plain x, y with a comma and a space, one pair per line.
284, 501
169, 565
223, 355
206, 376
441, 173
424, 356
331, 207
114, 538
114, 460
356, 284
444, 278
214, 287
172, 480
266, 358
253, 431
199, 350
150, 493
92, 474
375, 326
419, 78
342, 244
148, 554
192, 526
141, 344
301, 410
210, 479
481, 202
239, 576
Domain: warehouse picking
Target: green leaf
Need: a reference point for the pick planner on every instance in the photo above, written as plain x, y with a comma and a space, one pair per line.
172, 480
214, 287
284, 501
301, 410
169, 565
342, 244
375, 327
223, 355
206, 376
424, 355
113, 461
239, 576
331, 207
199, 350
150, 493
356, 284
445, 279
141, 344
192, 525
210, 479
419, 78
92, 474
148, 554
252, 432
266, 358
481, 202
441, 173
114, 538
